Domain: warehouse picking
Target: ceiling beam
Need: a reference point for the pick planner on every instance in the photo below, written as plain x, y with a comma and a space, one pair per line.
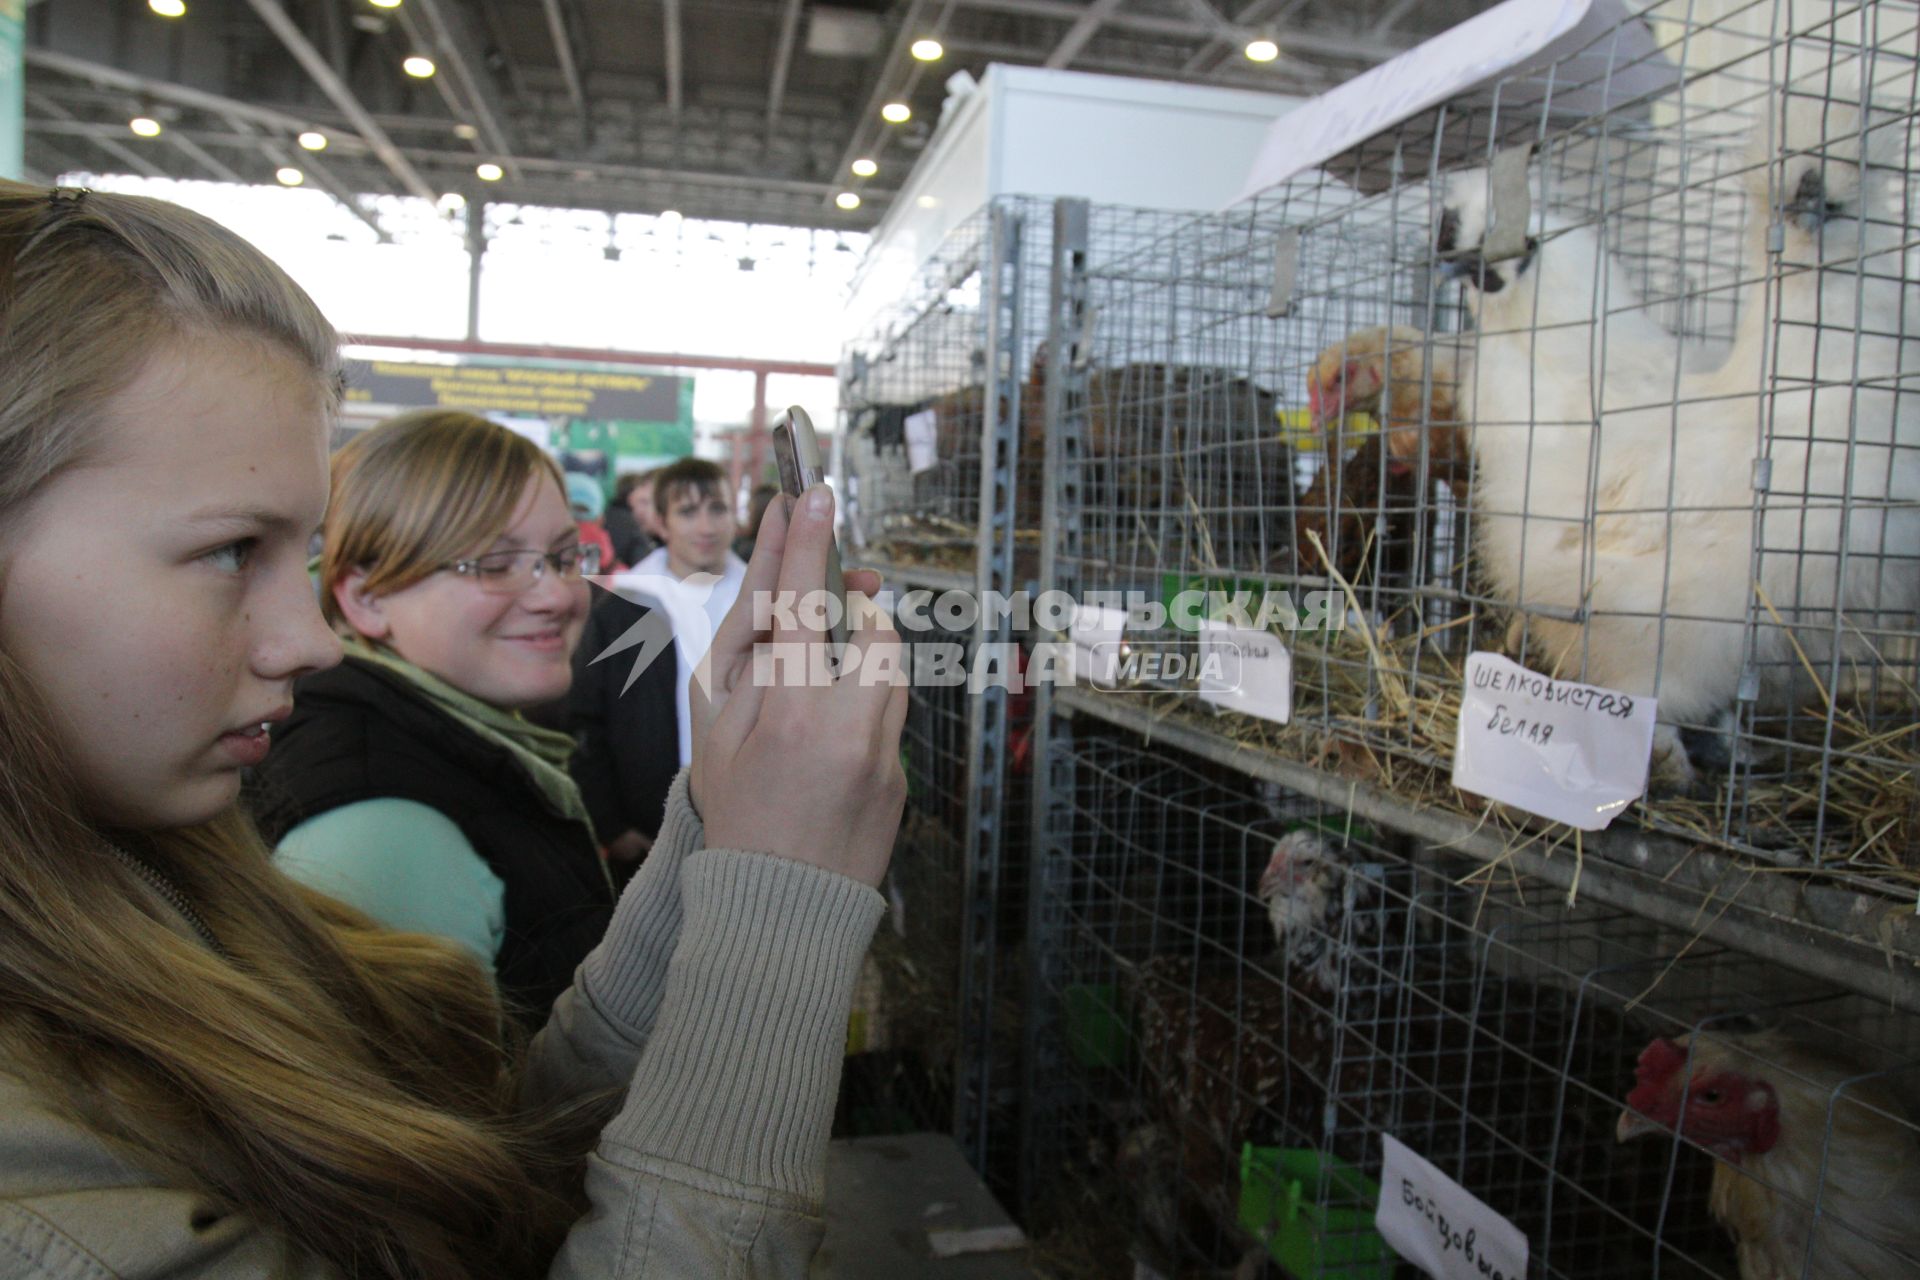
220, 169
105, 136
1327, 43
745, 364
1396, 11
340, 95
456, 45
322, 175
782, 61
884, 84
654, 173
676, 85
166, 91
569, 71
1079, 33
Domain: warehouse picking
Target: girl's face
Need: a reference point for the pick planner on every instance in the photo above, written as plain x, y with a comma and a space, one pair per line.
513, 651
157, 595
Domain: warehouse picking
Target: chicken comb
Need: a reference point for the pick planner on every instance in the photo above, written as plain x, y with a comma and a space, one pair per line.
1660, 1060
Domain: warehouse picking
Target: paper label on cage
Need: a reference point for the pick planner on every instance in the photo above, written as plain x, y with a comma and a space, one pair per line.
1575, 753
1098, 647
923, 435
1608, 58
1247, 671
1437, 1225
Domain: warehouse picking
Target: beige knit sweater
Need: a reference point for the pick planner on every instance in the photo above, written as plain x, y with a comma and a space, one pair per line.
722, 986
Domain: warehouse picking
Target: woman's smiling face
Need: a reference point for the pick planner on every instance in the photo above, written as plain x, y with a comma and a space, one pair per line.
513, 651
157, 593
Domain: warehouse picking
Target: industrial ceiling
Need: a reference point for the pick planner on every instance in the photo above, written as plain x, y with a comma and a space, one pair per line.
752, 110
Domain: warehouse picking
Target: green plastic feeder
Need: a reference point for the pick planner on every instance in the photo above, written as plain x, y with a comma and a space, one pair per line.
1096, 1029
1332, 1239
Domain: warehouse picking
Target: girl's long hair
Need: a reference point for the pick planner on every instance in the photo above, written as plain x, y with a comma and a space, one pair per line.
347, 1086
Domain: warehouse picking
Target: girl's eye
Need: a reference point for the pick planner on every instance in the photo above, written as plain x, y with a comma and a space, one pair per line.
232, 558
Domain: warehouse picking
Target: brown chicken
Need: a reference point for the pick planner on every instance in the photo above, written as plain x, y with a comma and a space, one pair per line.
1408, 381
1357, 508
1792, 1125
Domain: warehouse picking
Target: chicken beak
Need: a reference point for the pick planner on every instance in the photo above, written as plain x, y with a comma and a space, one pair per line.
1633, 1125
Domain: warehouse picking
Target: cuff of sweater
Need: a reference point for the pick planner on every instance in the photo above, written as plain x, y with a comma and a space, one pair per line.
626, 974
740, 1077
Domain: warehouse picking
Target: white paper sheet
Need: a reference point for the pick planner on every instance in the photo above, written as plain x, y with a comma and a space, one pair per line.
1436, 1224
923, 434
1246, 671
1575, 753
1097, 644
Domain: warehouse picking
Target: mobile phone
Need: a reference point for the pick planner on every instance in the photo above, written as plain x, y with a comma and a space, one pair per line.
796, 451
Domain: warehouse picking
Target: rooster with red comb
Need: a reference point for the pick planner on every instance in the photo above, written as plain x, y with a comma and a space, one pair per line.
1818, 1173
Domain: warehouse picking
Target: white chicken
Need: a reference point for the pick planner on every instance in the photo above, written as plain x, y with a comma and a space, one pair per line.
1648, 523
1819, 1168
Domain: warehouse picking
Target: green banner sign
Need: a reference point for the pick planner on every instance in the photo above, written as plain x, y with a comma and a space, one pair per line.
518, 389
13, 87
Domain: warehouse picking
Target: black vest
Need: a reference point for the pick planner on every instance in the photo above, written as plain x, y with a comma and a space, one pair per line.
360, 733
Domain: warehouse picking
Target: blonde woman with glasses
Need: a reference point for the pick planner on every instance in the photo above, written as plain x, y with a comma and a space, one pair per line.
209, 1071
406, 782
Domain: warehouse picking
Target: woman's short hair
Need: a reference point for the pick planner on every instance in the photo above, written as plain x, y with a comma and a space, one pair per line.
418, 492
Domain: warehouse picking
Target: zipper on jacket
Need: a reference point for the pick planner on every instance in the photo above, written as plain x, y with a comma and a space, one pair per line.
174, 898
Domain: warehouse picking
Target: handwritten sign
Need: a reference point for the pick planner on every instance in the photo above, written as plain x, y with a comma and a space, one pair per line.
1247, 671
1607, 57
923, 431
1575, 753
1437, 1225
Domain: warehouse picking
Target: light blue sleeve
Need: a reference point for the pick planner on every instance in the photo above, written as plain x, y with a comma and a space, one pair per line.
405, 864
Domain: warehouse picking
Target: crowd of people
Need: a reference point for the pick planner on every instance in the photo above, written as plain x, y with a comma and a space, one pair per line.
393, 921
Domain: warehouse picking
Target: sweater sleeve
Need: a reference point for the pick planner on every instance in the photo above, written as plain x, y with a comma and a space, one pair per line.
716, 1165
405, 864
597, 1027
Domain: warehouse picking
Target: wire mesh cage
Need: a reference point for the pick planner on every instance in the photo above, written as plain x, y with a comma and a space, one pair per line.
1239, 994
1602, 368
936, 375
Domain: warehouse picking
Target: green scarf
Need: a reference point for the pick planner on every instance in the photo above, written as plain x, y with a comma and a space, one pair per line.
542, 753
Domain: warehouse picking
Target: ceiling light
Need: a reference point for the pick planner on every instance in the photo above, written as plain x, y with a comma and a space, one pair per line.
465, 132
927, 50
145, 126
864, 168
452, 202
168, 8
384, 4
896, 113
489, 171
418, 67
313, 140
847, 200
290, 176
1262, 49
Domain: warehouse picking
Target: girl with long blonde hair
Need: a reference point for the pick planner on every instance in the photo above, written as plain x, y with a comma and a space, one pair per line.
209, 1071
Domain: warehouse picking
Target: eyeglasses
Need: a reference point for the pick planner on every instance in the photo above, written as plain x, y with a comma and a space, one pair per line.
508, 573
